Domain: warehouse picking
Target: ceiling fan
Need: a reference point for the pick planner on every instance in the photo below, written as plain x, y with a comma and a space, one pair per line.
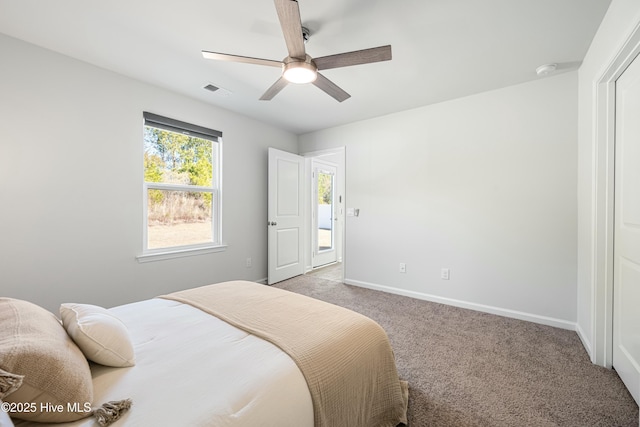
299, 67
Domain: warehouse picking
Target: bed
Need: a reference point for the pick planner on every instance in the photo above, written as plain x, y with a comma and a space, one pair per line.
237, 354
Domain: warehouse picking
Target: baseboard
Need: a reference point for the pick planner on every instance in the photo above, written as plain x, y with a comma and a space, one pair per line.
585, 341
543, 320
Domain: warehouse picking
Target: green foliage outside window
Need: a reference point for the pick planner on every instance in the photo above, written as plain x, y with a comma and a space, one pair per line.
325, 182
174, 158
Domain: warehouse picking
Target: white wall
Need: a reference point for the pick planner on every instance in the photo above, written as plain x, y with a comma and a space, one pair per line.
483, 185
71, 184
622, 17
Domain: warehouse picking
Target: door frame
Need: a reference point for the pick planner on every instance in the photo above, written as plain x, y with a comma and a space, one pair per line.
341, 177
602, 207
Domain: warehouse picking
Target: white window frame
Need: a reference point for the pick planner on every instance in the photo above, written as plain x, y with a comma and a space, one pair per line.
216, 245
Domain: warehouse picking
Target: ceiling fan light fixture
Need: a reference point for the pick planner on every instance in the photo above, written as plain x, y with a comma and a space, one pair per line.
300, 72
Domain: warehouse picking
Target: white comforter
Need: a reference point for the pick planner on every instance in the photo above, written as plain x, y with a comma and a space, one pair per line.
193, 369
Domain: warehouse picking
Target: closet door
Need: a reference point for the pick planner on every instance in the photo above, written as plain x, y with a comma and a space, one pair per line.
626, 286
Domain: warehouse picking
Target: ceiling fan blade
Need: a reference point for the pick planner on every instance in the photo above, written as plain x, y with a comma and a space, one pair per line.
331, 88
357, 57
274, 89
238, 58
289, 15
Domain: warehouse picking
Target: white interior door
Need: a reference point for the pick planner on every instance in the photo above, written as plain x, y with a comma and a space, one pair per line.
285, 220
626, 287
324, 213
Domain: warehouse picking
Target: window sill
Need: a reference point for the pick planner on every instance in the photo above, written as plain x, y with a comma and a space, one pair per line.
179, 253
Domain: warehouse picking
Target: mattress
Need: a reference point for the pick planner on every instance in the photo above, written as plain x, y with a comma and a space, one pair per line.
193, 369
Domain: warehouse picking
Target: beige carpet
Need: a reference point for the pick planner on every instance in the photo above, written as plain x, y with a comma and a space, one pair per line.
467, 368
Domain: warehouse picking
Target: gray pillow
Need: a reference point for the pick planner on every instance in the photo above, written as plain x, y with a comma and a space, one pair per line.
33, 344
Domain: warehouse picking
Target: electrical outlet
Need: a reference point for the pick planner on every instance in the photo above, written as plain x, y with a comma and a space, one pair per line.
248, 263
403, 267
444, 274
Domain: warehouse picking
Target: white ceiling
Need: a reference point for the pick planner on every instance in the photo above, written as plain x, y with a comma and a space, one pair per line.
442, 49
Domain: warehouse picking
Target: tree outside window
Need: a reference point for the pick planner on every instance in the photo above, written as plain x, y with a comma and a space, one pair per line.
180, 177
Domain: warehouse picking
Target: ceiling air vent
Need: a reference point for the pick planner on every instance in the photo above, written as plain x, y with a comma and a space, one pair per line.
217, 90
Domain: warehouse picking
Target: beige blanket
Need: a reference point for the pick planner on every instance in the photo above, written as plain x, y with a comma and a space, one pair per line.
345, 357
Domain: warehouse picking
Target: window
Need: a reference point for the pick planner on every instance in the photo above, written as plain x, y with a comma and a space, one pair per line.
182, 174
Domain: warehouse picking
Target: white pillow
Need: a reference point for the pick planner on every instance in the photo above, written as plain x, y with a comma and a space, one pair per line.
101, 336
